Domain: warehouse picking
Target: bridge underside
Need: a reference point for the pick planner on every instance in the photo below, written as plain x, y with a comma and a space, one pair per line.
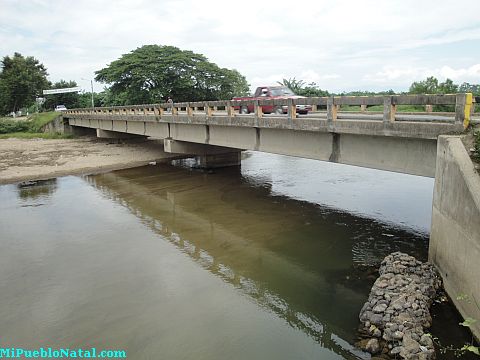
403, 154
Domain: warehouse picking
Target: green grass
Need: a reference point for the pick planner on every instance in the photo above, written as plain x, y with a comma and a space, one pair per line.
29, 135
33, 124
41, 119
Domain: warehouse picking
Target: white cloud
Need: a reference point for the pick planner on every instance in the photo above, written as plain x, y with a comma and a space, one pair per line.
394, 75
339, 45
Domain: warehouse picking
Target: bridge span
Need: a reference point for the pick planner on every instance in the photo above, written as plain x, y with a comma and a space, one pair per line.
413, 143
339, 129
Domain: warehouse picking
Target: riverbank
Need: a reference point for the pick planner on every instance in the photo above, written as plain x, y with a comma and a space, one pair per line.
36, 159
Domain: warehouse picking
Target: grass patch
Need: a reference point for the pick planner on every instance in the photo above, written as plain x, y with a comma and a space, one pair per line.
33, 124
30, 135
10, 126
39, 120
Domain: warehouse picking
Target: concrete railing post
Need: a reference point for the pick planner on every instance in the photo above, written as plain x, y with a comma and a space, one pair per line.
389, 109
257, 109
292, 109
208, 110
463, 105
230, 109
331, 110
189, 110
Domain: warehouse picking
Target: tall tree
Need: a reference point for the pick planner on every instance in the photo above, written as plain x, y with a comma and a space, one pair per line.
21, 80
152, 73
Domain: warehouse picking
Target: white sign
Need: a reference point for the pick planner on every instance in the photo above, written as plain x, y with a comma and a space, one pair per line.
61, 91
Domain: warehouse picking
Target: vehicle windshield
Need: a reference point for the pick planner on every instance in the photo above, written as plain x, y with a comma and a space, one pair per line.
282, 91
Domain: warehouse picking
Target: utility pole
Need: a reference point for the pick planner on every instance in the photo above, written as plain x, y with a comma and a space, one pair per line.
91, 83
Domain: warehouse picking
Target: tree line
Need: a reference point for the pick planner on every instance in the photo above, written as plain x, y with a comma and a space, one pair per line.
431, 85
154, 73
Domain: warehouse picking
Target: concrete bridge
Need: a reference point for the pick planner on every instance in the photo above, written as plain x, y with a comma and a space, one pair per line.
216, 132
414, 143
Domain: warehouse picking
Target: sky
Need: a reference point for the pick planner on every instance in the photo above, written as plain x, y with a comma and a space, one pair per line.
339, 45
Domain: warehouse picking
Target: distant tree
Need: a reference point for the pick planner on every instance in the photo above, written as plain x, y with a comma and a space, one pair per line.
152, 73
21, 80
312, 90
293, 84
472, 88
368, 93
428, 86
70, 100
85, 99
299, 87
447, 87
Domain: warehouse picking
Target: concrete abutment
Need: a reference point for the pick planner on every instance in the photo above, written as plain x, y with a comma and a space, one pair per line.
455, 232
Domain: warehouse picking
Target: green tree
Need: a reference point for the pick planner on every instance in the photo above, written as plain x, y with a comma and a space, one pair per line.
70, 100
21, 80
428, 86
293, 84
472, 88
299, 87
152, 73
447, 87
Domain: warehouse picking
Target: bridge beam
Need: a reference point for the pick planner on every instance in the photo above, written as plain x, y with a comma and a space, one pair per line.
207, 156
108, 134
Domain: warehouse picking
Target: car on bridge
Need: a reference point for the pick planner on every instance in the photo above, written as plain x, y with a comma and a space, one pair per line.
271, 93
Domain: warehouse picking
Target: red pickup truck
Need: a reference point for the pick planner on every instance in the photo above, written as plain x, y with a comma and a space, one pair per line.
272, 92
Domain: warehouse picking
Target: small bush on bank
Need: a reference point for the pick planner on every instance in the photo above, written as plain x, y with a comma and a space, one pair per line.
10, 126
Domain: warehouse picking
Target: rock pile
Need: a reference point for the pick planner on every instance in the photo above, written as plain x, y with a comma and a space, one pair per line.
396, 314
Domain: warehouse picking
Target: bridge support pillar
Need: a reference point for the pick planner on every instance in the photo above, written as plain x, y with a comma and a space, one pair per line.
108, 134
207, 156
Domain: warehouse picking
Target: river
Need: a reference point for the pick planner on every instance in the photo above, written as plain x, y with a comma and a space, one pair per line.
272, 260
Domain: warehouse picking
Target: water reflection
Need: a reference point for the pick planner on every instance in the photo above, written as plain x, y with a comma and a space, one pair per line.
302, 261
35, 191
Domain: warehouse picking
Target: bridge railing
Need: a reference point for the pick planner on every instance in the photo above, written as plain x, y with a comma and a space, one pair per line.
322, 107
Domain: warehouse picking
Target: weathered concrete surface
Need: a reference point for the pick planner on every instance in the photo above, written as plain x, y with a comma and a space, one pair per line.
406, 148
455, 235
107, 134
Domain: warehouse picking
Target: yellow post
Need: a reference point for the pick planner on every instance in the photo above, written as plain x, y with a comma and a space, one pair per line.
468, 106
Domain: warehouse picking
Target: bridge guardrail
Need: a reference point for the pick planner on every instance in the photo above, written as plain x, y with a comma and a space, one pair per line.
462, 102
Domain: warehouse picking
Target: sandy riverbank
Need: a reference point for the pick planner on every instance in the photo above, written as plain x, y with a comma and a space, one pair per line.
34, 159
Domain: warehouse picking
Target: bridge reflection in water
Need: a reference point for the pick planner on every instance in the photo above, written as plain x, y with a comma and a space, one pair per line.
303, 262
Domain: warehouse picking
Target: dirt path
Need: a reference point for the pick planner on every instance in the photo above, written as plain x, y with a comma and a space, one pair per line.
35, 159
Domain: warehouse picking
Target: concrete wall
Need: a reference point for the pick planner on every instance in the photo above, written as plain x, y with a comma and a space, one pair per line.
455, 234
55, 126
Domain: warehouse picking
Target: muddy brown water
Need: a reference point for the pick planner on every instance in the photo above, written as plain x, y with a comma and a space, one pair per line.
272, 260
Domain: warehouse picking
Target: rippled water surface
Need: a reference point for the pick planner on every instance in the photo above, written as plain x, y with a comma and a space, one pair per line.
269, 261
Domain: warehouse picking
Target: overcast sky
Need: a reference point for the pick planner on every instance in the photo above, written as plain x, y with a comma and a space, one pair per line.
340, 45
